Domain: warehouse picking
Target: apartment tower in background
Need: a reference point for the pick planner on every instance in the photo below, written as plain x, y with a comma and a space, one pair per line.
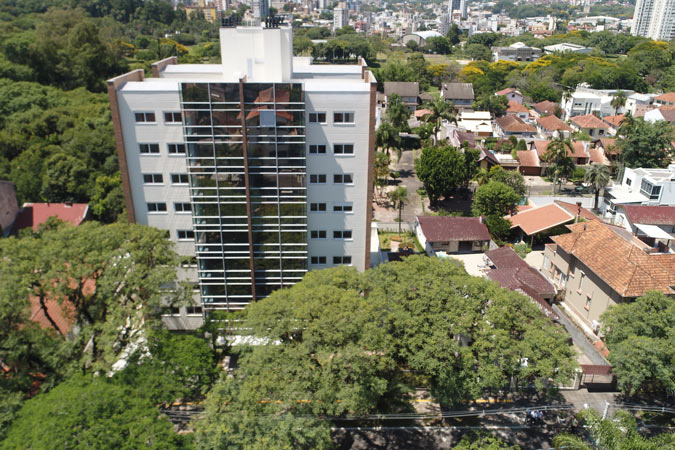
260, 168
654, 19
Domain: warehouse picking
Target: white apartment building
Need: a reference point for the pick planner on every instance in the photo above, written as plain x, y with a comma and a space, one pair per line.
649, 187
654, 19
259, 168
585, 100
340, 17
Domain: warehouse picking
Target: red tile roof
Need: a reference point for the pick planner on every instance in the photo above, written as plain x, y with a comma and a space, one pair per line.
35, 214
507, 91
541, 218
574, 210
512, 124
528, 158
546, 107
650, 215
515, 107
668, 97
598, 156
441, 229
609, 144
62, 314
627, 268
614, 121
552, 123
541, 146
589, 121
579, 150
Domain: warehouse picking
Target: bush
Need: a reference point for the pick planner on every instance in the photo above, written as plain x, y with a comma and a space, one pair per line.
522, 249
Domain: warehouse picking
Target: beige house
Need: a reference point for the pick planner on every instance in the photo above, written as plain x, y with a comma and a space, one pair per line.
598, 265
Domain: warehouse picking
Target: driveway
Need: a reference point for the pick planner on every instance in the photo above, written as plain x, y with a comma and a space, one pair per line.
408, 179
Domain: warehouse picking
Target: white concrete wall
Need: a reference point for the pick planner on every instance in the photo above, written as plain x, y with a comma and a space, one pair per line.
132, 100
263, 55
329, 164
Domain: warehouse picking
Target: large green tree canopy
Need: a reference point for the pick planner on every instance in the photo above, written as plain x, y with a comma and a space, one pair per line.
344, 343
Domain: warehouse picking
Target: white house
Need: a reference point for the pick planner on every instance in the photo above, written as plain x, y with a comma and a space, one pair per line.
640, 187
585, 100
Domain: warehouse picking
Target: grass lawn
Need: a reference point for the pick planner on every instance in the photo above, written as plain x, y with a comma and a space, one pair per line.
386, 238
434, 91
439, 59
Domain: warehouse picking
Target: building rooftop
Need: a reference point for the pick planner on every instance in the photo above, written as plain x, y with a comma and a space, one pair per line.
515, 107
35, 214
668, 97
658, 175
528, 158
402, 88
441, 229
545, 108
541, 218
650, 215
507, 91
589, 121
513, 124
461, 91
621, 263
552, 123
614, 121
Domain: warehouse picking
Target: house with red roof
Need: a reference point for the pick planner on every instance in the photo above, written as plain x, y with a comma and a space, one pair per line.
552, 126
442, 235
541, 219
653, 225
512, 95
35, 214
516, 109
614, 122
545, 108
513, 126
591, 125
666, 99
529, 163
512, 272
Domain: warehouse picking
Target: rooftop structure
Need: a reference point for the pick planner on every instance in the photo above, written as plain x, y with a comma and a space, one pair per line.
451, 234
32, 215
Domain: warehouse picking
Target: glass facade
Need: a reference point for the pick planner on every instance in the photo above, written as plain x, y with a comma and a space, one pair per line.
247, 172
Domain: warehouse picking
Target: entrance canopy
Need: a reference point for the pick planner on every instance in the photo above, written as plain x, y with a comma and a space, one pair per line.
653, 231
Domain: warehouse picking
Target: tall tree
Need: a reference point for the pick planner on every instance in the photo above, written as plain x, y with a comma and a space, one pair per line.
618, 101
598, 175
557, 154
494, 199
640, 336
644, 144
496, 104
399, 197
381, 169
398, 113
617, 433
440, 110
386, 137
442, 170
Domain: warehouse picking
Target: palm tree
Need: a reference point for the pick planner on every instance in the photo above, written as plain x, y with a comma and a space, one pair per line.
482, 177
400, 197
598, 176
618, 101
440, 110
557, 154
387, 137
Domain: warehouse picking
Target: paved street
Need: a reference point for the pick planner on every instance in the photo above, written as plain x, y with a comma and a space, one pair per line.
408, 179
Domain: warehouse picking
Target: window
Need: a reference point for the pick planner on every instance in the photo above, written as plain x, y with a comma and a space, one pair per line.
179, 178
172, 117
157, 207
345, 178
317, 234
629, 181
193, 310
342, 234
318, 260
651, 191
343, 149
172, 311
318, 117
145, 117
587, 306
343, 207
563, 280
317, 207
147, 149
152, 178
581, 281
546, 262
343, 117
314, 179
342, 259
182, 207
185, 235
317, 149
176, 149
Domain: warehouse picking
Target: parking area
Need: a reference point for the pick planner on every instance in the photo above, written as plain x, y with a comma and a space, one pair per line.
474, 263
